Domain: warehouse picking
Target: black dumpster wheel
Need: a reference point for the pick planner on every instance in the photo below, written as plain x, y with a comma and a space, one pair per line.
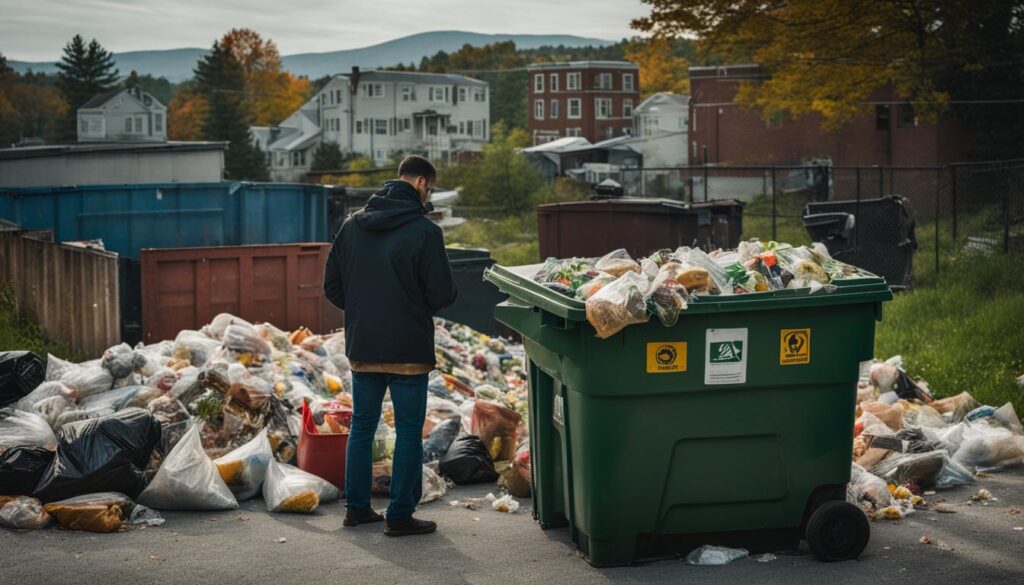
838, 531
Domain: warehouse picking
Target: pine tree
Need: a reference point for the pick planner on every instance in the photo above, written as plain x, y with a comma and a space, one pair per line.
221, 80
327, 157
85, 71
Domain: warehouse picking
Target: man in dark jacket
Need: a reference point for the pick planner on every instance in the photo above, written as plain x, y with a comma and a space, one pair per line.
388, 270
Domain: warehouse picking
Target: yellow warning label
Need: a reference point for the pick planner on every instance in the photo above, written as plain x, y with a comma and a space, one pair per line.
795, 347
666, 357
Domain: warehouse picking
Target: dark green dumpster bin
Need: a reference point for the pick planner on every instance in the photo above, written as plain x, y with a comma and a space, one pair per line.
733, 427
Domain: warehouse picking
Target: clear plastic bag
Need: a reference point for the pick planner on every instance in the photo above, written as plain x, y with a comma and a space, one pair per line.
618, 305
23, 513
19, 428
121, 361
986, 448
188, 480
88, 380
244, 469
44, 391
592, 286
194, 347
497, 427
52, 408
867, 489
955, 407
290, 489
434, 487
215, 329
890, 414
56, 368
931, 469
243, 338
715, 555
103, 512
718, 278
617, 263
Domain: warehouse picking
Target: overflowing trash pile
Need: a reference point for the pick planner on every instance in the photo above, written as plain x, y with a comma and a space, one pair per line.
620, 291
908, 444
233, 411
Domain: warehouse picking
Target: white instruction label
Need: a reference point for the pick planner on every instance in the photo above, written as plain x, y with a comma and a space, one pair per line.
725, 360
558, 411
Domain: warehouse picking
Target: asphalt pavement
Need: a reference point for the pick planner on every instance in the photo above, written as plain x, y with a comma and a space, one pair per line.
976, 544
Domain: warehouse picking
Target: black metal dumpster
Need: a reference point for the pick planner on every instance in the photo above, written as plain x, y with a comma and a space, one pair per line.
880, 238
477, 298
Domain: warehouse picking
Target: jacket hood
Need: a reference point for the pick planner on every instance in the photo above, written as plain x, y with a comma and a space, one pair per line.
395, 204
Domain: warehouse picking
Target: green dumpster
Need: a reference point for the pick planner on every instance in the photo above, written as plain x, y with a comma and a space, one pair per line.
732, 427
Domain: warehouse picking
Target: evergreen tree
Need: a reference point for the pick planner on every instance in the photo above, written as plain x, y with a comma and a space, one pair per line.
85, 71
327, 157
221, 80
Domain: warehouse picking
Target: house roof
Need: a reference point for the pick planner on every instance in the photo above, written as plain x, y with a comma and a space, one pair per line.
559, 145
105, 148
100, 99
418, 77
583, 65
663, 101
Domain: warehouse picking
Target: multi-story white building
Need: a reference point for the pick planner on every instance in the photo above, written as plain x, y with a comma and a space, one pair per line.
661, 113
380, 114
122, 115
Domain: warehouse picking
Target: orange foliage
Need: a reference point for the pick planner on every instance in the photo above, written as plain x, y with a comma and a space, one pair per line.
271, 95
186, 115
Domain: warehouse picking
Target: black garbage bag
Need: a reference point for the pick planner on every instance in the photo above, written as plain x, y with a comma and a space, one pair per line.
20, 373
106, 454
21, 468
467, 461
440, 438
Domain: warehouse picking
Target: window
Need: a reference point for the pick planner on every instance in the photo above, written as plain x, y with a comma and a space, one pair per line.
609, 132
463, 94
602, 107
553, 85
627, 131
407, 124
158, 122
627, 108
462, 128
905, 117
138, 124
882, 117
574, 108
373, 90
359, 126
574, 132
408, 93
337, 96
381, 154
538, 83
572, 81
299, 158
128, 125
627, 82
604, 81
438, 94
480, 131
538, 110
479, 94
554, 110
380, 126
83, 125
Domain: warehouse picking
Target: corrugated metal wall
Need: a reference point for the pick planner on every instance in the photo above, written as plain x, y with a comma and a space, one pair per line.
70, 292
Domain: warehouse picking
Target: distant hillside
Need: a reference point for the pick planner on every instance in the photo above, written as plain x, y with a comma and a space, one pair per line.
177, 64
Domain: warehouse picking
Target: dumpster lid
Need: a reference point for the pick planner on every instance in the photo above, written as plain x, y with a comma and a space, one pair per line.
518, 283
634, 205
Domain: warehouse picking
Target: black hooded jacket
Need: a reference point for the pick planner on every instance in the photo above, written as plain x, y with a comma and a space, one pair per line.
388, 270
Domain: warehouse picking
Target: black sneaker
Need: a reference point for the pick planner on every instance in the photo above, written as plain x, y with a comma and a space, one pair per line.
355, 517
409, 527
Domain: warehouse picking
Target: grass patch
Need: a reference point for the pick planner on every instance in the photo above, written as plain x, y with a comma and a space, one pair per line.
512, 240
17, 332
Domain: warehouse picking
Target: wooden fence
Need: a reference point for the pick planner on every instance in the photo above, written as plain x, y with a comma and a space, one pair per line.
71, 292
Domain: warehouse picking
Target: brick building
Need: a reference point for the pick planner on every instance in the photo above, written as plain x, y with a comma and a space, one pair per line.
889, 135
591, 99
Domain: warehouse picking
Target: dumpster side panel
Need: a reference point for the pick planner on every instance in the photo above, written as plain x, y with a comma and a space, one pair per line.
185, 288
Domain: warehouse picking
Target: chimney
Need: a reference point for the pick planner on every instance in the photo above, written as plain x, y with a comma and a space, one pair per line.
354, 80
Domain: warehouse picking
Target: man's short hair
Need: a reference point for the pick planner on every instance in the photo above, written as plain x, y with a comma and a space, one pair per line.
417, 166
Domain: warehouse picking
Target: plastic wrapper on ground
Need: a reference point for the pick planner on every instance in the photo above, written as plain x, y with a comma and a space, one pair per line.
468, 461
23, 513
100, 512
289, 489
434, 486
715, 555
244, 469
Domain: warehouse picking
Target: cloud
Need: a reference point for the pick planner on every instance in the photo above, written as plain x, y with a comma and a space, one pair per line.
37, 30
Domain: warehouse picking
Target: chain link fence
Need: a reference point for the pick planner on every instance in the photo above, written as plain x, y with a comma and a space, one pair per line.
968, 206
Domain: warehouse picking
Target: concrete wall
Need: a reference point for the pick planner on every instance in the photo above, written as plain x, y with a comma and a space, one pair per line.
97, 168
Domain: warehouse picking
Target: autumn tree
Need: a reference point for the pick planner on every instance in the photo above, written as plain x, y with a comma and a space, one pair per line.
833, 57
271, 94
31, 106
186, 114
501, 176
85, 71
221, 81
660, 69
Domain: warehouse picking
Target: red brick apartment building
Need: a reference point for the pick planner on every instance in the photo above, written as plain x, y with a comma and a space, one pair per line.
890, 135
592, 99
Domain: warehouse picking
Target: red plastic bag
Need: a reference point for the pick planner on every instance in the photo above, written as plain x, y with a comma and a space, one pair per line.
321, 455
497, 427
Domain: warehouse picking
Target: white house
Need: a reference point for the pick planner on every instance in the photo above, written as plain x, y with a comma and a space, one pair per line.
662, 112
122, 115
380, 114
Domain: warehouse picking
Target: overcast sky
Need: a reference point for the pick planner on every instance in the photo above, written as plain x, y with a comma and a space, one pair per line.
36, 30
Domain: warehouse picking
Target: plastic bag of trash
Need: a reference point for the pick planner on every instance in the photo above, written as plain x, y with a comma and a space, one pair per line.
174, 421
44, 391
121, 361
467, 461
618, 305
923, 469
987, 448
617, 263
715, 555
20, 373
215, 329
52, 408
100, 512
434, 486
890, 414
106, 453
1007, 417
867, 488
87, 380
244, 339
497, 427
56, 367
592, 286
516, 477
289, 489
193, 347
244, 469
18, 428
441, 438
952, 475
955, 407
188, 480
21, 468
23, 513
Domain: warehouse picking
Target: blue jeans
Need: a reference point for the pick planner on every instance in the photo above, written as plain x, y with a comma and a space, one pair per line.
409, 398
